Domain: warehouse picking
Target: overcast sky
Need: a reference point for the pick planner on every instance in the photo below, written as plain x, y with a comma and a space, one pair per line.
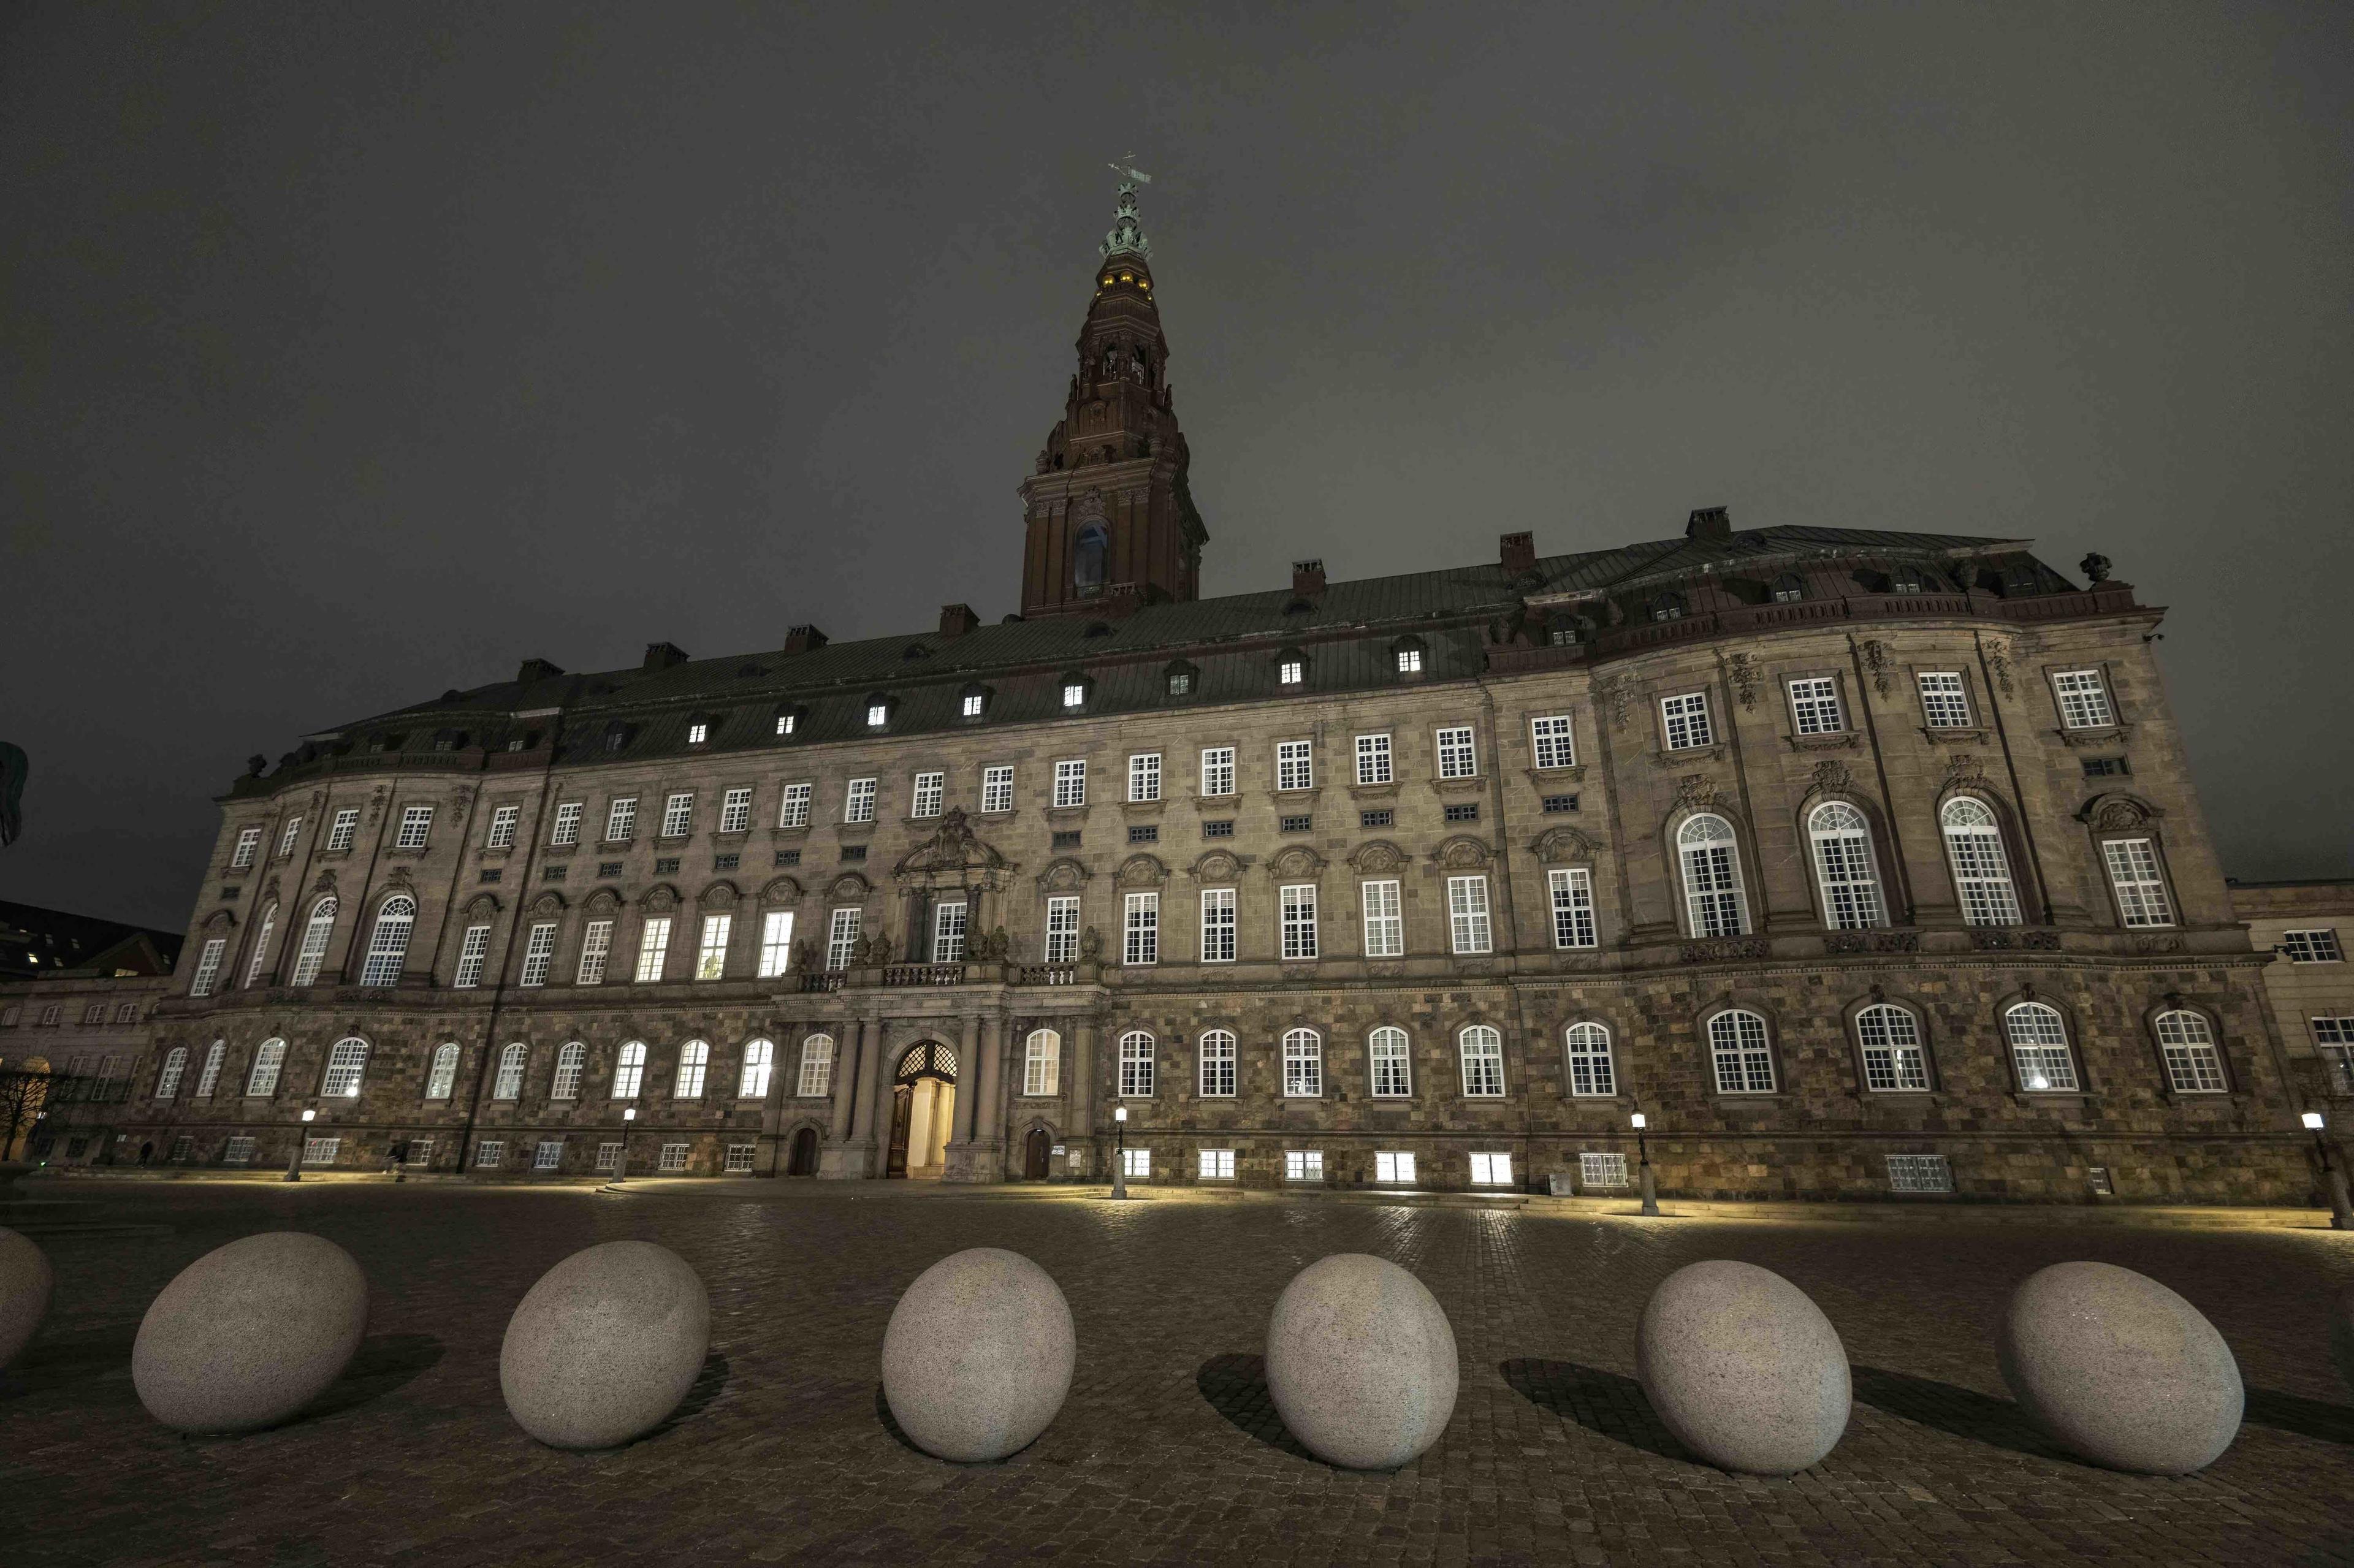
353, 352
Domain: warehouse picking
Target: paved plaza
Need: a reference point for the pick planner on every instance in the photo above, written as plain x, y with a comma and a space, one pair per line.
1168, 1450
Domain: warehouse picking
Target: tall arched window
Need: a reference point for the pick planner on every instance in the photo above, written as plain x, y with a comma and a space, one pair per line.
629, 1071
752, 1083
1591, 1070
1303, 1064
1892, 1057
1087, 556
1843, 865
1981, 866
1136, 1065
393, 920
1482, 1051
1217, 1063
321, 926
347, 1061
694, 1058
2193, 1067
817, 1067
1393, 1063
508, 1085
2038, 1048
260, 944
175, 1063
442, 1081
268, 1058
1042, 1063
1712, 867
571, 1066
210, 1076
1738, 1047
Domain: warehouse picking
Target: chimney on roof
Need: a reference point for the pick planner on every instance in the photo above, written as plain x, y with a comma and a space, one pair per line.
1519, 552
662, 655
1307, 579
535, 670
804, 639
1709, 523
955, 620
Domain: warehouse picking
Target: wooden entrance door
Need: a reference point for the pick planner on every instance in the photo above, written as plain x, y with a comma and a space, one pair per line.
803, 1161
1036, 1151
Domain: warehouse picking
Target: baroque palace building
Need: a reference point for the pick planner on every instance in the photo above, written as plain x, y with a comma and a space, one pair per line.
1856, 860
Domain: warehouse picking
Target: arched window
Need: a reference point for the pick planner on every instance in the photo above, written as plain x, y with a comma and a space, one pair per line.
1981, 866
2135, 877
1590, 1068
629, 1071
210, 1076
2038, 1048
1303, 1064
442, 1081
694, 1057
2193, 1067
394, 921
167, 1081
1744, 1061
1042, 1063
752, 1083
817, 1067
347, 1061
1393, 1063
1892, 1057
1482, 1050
571, 1066
1843, 865
260, 944
1216, 1058
315, 933
267, 1060
508, 1085
1711, 865
1087, 560
1789, 589
1668, 607
1136, 1065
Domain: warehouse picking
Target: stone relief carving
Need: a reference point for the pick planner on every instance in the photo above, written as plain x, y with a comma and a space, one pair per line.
850, 887
1998, 658
804, 956
1875, 659
781, 890
953, 848
1065, 875
375, 804
1964, 772
2160, 944
658, 899
1694, 792
1376, 855
1218, 865
1462, 853
1610, 691
1141, 871
604, 901
2117, 813
1833, 777
548, 904
1556, 846
1743, 668
719, 895
1715, 950
1091, 944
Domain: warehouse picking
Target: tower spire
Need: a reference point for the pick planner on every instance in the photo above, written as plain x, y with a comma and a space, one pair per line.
1127, 235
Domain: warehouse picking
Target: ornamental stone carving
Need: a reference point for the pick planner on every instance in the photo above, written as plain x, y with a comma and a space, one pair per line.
1559, 846
1998, 658
1743, 669
719, 895
1218, 865
1141, 871
548, 904
2117, 813
658, 898
604, 901
1298, 860
481, 907
782, 890
1065, 875
1875, 659
1964, 772
1462, 852
1694, 792
1091, 944
1377, 856
1610, 691
850, 887
1834, 778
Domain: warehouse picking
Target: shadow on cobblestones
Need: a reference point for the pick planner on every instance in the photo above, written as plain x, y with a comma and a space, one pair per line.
1964, 1413
59, 1360
1610, 1404
1235, 1387
707, 1386
384, 1362
2306, 1417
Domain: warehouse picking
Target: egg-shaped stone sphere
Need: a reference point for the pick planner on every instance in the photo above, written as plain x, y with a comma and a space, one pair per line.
249, 1333
606, 1345
1361, 1361
977, 1357
1743, 1368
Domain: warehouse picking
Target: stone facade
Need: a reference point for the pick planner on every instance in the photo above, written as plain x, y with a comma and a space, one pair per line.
2308, 989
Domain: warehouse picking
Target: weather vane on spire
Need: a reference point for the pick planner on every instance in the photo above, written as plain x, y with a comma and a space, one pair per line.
1127, 235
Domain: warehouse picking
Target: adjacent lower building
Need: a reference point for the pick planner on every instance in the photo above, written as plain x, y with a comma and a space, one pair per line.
78, 999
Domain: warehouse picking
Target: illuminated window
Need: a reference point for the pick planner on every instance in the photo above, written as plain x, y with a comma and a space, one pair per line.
1844, 868
1217, 1063
1712, 867
508, 1084
1738, 1044
1392, 1063
1303, 1064
1892, 1057
2038, 1048
1484, 1061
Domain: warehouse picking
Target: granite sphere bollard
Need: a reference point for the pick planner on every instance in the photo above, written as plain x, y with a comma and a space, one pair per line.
2119, 1370
1361, 1361
1743, 1368
979, 1355
249, 1333
605, 1346
2342, 1336
26, 1281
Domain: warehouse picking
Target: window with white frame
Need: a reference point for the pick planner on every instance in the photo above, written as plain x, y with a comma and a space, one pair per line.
1893, 1060
1569, 890
2134, 876
1218, 770
1289, 672
1468, 921
842, 937
1303, 1064
930, 789
1136, 1163
1374, 759
1981, 866
787, 722
321, 1150
1600, 1169
503, 828
949, 919
1591, 1073
858, 801
238, 1150
1217, 1165
1297, 904
343, 829
539, 950
1409, 660
388, 945
1295, 769
1303, 1165
776, 943
2193, 1067
997, 789
1844, 867
1217, 1063
1217, 924
1062, 929
1140, 929
444, 1078
567, 830
1144, 776
1457, 758
629, 1070
972, 703
2038, 1048
2083, 699
1042, 1063
210, 1078
249, 844
1919, 1173
416, 822
735, 809
1743, 1060
608, 1155
816, 1079
1393, 1167
622, 820
571, 1066
1713, 899
261, 945
596, 947
1074, 694
1384, 920
711, 953
1945, 701
793, 809
268, 1059
698, 732
508, 1084
2333, 1041
693, 1064
1492, 1169
1552, 741
549, 1155
878, 714
1482, 1050
752, 1078
287, 836
1815, 705
1071, 782
738, 1158
1136, 1065
473, 948
315, 932
2318, 945
1686, 721
653, 948
419, 1152
673, 1158
176, 1063
208, 963
1393, 1064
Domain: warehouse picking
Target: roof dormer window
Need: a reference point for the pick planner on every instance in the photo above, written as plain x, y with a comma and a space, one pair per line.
1904, 580
1406, 655
1074, 693
698, 731
1789, 589
879, 711
1291, 668
972, 702
1668, 607
789, 719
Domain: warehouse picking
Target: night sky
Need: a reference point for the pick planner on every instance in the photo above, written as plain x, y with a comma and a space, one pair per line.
353, 352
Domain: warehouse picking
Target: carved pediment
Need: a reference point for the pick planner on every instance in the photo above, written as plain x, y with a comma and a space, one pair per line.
604, 901
850, 887
1296, 860
1563, 846
548, 904
1217, 865
1964, 772
719, 895
1377, 856
1141, 871
659, 897
327, 882
1065, 875
1694, 792
1462, 852
783, 890
952, 853
2118, 813
219, 920
481, 907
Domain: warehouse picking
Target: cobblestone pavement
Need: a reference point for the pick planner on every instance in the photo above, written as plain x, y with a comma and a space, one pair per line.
1168, 1450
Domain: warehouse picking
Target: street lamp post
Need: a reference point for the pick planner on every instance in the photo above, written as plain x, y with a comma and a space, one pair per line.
301, 1137
621, 1166
2342, 1210
1643, 1155
1119, 1156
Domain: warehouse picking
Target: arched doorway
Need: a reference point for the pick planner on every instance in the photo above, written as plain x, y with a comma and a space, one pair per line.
923, 1109
1036, 1149
803, 1161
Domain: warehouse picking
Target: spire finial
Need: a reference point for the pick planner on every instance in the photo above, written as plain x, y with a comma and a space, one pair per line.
1127, 235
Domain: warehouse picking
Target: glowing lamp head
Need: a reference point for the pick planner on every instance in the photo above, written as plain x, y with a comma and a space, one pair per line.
310, 1114
2313, 1121
631, 1114
1120, 1113
1640, 1122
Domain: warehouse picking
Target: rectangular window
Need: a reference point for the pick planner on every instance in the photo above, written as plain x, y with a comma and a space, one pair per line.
858, 801
785, 723
1456, 757
1374, 759
1467, 813
1393, 1067
1062, 929
1217, 924
2105, 768
1144, 776
2315, 946
346, 824
1686, 720
948, 924
1217, 1165
548, 1155
2333, 1040
1467, 914
1384, 818
1303, 1165
1572, 891
1289, 672
416, 822
567, 824
678, 815
539, 948
1136, 1163
321, 1150
2192, 1064
248, 842
608, 1155
1299, 914
776, 942
1140, 929
1409, 660
237, 1151
1815, 706
1919, 1173
1065, 839
740, 1158
793, 811
1384, 921
1601, 1171
1298, 824
1395, 1166
622, 821
490, 1151
1144, 833
208, 963
595, 944
1219, 830
1218, 770
1071, 783
842, 937
735, 809
1555, 745
674, 1157
1491, 1170
930, 788
1294, 768
471, 950
1944, 703
996, 790
503, 828
2141, 890
653, 945
286, 838
973, 704
2083, 699
711, 954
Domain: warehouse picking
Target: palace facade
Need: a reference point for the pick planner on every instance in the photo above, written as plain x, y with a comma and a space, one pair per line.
1858, 861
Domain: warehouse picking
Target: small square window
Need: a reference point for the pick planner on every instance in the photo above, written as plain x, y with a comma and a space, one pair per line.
494, 873
697, 733
556, 873
1218, 830
972, 703
789, 857
853, 851
1467, 812
2105, 768
1409, 660
1181, 684
668, 866
604, 868
1138, 1164
726, 862
1556, 804
785, 724
1491, 1170
740, 1158
1384, 818
1601, 1171
1075, 695
877, 716
549, 1155
1291, 672
1395, 1166
1067, 838
1144, 833
609, 1158
674, 1157
1919, 1173
1295, 824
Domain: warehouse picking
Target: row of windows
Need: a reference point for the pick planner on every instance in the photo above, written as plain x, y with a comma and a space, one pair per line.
347, 1059
53, 1016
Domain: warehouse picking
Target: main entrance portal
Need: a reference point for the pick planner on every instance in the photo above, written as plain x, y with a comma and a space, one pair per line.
923, 1110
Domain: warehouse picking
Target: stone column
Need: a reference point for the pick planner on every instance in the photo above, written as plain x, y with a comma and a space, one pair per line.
989, 1119
968, 1086
850, 1155
1081, 1097
875, 1094
846, 1077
